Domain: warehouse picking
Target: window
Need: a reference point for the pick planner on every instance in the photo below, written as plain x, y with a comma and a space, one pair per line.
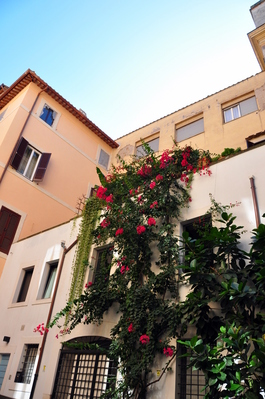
48, 115
29, 162
190, 382
153, 144
190, 130
103, 159
241, 109
84, 373
4, 358
2, 114
25, 285
27, 363
9, 221
103, 263
52, 270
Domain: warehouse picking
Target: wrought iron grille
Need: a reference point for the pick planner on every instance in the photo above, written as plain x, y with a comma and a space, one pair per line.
83, 374
28, 363
190, 382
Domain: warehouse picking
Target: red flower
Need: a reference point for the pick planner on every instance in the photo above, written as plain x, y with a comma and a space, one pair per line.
184, 162
151, 222
152, 185
105, 223
140, 229
119, 232
131, 191
130, 328
101, 192
122, 270
109, 198
144, 170
88, 284
159, 177
168, 352
153, 204
144, 339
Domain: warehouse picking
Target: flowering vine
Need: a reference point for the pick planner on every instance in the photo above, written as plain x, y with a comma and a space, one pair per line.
141, 202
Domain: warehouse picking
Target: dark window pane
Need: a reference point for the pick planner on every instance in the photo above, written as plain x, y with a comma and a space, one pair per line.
48, 115
25, 285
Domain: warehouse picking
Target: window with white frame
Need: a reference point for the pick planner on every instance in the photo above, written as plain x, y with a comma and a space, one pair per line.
153, 145
190, 130
50, 276
29, 162
103, 159
48, 115
27, 363
240, 109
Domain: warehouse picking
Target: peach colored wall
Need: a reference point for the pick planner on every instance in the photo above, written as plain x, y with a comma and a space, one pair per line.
71, 170
217, 135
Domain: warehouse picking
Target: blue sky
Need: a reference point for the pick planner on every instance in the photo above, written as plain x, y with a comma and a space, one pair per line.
128, 63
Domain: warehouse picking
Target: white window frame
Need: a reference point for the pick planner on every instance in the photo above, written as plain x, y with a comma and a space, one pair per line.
99, 153
229, 111
24, 173
140, 152
44, 280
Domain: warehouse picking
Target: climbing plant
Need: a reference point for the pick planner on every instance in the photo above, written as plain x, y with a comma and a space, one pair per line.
141, 203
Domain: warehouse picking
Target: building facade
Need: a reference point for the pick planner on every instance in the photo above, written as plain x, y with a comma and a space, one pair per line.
36, 263
49, 151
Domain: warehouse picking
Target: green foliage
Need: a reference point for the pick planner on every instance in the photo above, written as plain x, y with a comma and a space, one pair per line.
141, 203
229, 151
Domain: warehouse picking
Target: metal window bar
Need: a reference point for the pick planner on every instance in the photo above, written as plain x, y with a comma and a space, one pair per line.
28, 363
83, 374
190, 382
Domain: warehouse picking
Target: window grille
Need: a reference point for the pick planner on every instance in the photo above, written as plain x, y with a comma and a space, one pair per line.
83, 374
190, 382
28, 362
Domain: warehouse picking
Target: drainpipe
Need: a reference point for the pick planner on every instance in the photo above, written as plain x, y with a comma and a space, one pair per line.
255, 201
65, 251
20, 134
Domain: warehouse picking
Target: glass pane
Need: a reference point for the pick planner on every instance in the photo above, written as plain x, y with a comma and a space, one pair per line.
228, 115
153, 144
50, 281
32, 165
25, 285
104, 159
236, 112
48, 115
190, 130
248, 106
24, 161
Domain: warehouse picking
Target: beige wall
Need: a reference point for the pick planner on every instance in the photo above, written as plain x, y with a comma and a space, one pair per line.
217, 135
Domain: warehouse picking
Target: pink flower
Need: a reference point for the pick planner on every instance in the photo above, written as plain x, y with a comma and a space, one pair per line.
101, 192
88, 284
139, 199
168, 352
151, 222
144, 339
131, 191
105, 223
119, 232
144, 170
152, 185
122, 269
130, 328
159, 177
109, 198
57, 336
140, 229
153, 204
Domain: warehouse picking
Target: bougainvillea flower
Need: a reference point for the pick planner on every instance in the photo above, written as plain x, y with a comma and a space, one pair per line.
140, 229
130, 328
105, 223
151, 222
144, 339
101, 192
109, 198
152, 185
168, 352
159, 177
153, 204
119, 232
122, 269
